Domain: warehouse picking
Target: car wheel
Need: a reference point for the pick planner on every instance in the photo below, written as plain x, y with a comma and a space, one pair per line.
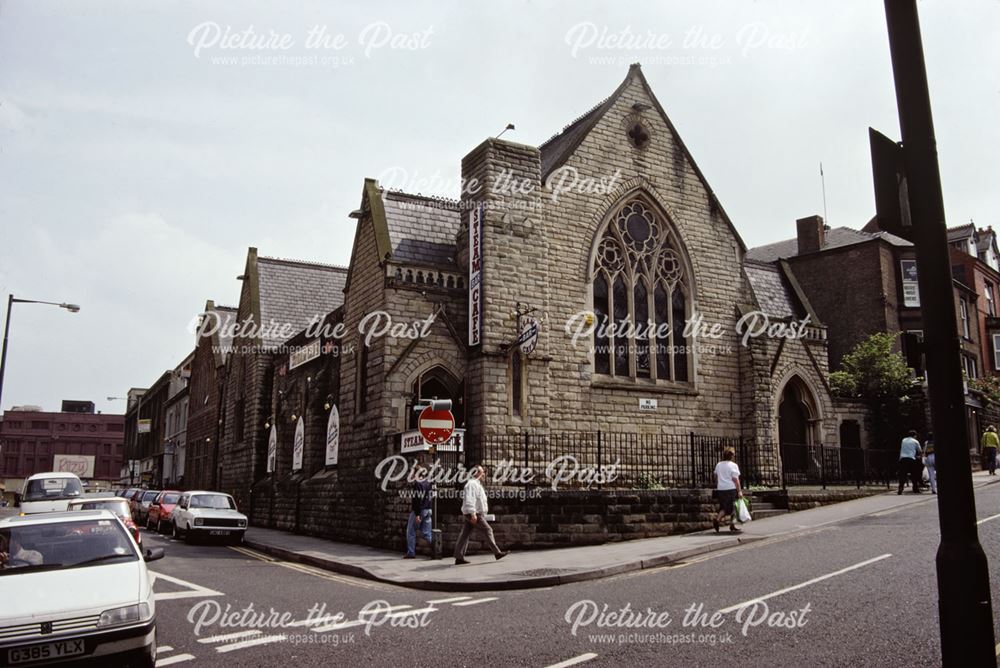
188, 536
175, 533
159, 526
149, 521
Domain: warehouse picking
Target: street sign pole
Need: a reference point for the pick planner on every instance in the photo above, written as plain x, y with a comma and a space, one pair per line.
964, 601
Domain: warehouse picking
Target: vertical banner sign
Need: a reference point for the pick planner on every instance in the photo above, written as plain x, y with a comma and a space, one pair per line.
476, 276
911, 290
332, 436
298, 445
272, 448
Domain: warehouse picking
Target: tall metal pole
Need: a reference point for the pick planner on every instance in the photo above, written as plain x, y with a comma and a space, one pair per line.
3, 354
964, 601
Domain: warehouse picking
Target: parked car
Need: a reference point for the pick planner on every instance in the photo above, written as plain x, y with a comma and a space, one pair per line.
202, 514
133, 500
116, 505
76, 588
141, 505
49, 492
161, 509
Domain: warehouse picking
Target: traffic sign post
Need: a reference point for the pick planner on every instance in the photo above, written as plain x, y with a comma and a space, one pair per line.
436, 426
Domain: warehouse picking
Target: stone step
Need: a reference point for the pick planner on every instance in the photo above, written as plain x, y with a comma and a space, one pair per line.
762, 514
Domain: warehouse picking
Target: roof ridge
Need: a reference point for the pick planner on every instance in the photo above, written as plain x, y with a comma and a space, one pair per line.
421, 196
220, 307
302, 263
575, 121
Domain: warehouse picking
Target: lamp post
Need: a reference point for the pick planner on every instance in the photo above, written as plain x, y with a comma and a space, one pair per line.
11, 300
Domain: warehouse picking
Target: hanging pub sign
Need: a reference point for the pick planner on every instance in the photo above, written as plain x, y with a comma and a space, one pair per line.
476, 276
332, 436
298, 445
528, 337
911, 288
272, 448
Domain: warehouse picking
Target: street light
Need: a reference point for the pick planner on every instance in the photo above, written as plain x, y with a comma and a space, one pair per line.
11, 300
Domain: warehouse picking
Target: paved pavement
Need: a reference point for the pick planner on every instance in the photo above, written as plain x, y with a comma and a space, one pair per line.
545, 568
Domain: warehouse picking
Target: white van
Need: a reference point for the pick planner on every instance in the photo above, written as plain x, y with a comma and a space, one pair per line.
50, 492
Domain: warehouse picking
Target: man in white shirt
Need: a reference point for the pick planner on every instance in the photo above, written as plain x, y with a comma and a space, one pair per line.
16, 556
474, 510
728, 488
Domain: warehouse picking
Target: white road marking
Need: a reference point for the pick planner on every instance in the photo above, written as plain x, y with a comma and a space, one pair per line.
339, 625
249, 643
164, 648
227, 637
805, 584
987, 519
194, 591
170, 660
477, 601
575, 660
450, 600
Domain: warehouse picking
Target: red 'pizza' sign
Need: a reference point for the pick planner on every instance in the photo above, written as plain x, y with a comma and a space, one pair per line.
436, 426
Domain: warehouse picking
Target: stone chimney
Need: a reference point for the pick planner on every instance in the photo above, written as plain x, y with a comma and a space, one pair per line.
811, 233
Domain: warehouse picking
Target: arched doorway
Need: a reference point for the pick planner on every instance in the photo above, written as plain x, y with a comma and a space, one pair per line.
437, 383
797, 416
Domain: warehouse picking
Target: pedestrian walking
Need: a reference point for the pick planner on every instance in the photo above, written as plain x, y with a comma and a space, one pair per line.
990, 444
909, 456
728, 489
421, 518
474, 510
929, 462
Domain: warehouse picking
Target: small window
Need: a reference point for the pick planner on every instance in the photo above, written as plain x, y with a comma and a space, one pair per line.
996, 352
963, 312
991, 309
516, 382
361, 388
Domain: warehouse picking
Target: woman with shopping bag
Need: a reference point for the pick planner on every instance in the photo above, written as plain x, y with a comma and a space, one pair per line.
728, 490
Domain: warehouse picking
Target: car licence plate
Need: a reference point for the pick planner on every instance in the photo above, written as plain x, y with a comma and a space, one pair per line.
218, 532
55, 650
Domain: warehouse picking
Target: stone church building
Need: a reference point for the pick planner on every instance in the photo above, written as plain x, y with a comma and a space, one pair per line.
607, 223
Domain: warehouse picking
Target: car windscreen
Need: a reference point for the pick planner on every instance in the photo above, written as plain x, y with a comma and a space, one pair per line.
170, 499
60, 545
52, 489
219, 501
117, 506
149, 496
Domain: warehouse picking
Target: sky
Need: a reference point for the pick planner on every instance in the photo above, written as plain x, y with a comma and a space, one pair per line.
145, 146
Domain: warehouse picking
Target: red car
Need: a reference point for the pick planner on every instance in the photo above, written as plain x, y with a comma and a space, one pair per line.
117, 505
161, 509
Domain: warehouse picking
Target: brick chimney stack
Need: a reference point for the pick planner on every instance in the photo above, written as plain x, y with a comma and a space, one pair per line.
811, 233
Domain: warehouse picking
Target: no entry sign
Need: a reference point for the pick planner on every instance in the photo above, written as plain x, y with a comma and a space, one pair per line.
436, 426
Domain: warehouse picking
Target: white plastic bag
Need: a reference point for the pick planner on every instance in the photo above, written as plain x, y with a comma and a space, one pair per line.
743, 510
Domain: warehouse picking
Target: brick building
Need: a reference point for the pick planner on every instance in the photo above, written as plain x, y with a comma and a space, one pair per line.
205, 395
861, 282
32, 440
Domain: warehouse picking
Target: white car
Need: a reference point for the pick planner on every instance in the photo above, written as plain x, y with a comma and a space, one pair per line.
48, 492
75, 588
209, 515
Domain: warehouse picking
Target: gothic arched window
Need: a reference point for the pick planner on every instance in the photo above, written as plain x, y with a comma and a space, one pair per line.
641, 297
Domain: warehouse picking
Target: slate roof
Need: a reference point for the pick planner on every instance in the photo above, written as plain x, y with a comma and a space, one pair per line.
295, 292
774, 295
555, 150
422, 230
838, 237
961, 232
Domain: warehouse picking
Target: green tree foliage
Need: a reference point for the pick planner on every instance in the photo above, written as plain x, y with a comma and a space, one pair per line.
879, 377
